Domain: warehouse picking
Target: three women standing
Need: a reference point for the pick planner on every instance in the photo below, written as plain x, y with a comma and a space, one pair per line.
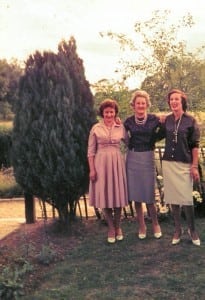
108, 182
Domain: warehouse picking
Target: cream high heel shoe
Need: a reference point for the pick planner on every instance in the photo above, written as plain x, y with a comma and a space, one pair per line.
142, 236
195, 242
177, 240
119, 234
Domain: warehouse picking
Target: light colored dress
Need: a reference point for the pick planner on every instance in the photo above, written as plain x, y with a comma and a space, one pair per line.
110, 188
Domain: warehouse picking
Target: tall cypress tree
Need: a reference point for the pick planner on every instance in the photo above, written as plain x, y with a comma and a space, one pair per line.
49, 139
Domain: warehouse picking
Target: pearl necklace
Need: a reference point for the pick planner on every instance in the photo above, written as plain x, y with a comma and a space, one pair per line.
140, 122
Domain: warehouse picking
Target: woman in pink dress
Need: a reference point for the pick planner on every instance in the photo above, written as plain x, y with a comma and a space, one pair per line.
108, 184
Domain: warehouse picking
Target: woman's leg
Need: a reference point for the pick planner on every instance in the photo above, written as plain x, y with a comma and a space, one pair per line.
155, 224
140, 219
117, 221
189, 213
176, 213
108, 212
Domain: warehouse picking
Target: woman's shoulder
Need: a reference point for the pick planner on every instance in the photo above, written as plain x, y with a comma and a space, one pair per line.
97, 125
152, 116
131, 118
189, 116
191, 119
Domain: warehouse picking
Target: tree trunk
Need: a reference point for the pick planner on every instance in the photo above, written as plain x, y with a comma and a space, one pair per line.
63, 214
30, 214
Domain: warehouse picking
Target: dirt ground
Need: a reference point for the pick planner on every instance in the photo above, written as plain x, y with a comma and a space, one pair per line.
19, 240
12, 215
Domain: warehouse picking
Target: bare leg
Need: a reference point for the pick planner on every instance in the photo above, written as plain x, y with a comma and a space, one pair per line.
155, 224
140, 219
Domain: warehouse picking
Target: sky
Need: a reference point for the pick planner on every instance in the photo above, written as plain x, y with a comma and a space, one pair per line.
28, 25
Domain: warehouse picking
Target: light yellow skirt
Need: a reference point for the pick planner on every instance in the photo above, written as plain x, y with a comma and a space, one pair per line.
178, 183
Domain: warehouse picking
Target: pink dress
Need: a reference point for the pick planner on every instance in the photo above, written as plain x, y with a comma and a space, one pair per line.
110, 188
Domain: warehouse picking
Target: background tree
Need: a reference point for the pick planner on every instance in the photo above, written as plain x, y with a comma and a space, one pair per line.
9, 81
53, 117
115, 90
160, 59
187, 74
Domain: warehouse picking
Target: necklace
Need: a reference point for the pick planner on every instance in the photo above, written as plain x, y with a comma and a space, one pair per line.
176, 128
140, 121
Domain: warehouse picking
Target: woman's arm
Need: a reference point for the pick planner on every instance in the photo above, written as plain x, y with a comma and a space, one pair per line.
194, 166
93, 174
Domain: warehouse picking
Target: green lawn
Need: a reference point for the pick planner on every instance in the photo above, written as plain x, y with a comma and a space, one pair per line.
131, 269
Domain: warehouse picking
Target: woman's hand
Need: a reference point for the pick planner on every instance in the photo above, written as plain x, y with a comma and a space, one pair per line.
195, 173
93, 175
118, 121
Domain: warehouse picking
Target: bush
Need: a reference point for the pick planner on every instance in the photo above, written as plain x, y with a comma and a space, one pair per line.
8, 185
5, 146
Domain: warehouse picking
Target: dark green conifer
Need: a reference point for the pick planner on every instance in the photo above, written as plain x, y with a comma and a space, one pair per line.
52, 122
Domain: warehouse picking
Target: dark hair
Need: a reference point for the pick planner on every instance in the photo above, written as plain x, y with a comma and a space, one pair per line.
183, 98
108, 103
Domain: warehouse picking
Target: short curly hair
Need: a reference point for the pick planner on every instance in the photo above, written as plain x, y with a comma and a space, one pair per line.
108, 103
140, 93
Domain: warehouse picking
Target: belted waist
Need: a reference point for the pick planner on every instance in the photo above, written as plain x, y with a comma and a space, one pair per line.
103, 146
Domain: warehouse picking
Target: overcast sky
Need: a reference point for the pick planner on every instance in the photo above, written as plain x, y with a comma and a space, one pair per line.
30, 25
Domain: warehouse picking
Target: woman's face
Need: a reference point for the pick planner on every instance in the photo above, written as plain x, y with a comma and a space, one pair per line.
109, 114
140, 106
175, 102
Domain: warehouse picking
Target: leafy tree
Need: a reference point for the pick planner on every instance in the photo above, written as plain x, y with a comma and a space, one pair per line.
53, 117
161, 59
114, 90
187, 75
9, 79
156, 40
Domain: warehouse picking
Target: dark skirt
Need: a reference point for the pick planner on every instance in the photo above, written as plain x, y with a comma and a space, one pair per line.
140, 167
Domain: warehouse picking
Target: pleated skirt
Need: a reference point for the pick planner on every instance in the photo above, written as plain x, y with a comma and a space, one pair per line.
178, 183
140, 167
110, 188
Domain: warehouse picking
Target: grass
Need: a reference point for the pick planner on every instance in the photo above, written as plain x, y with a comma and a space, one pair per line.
131, 269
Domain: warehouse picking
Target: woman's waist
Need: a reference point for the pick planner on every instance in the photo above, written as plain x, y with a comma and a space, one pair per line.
109, 146
141, 148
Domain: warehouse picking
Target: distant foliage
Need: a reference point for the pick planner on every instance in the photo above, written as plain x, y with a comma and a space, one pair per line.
52, 121
5, 147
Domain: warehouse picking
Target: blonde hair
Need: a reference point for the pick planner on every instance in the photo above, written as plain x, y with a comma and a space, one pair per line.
140, 93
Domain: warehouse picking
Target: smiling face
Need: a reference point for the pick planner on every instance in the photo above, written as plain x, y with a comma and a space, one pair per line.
109, 115
175, 103
140, 106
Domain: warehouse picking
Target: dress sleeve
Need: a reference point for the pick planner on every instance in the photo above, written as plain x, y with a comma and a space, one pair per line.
126, 136
159, 130
92, 143
194, 137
